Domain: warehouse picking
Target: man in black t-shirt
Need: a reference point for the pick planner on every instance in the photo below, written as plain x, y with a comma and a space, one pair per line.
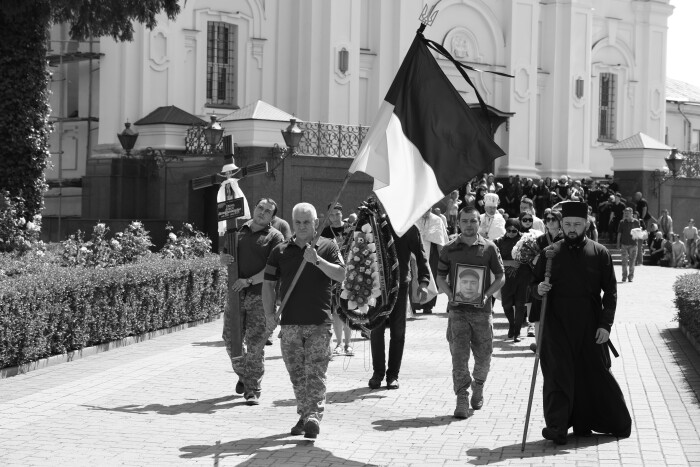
306, 317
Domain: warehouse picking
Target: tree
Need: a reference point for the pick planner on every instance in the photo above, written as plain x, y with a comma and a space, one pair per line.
24, 77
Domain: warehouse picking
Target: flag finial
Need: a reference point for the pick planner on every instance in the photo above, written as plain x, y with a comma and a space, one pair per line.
427, 16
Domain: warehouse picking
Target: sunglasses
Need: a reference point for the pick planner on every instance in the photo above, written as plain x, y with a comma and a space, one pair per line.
525, 219
512, 230
550, 219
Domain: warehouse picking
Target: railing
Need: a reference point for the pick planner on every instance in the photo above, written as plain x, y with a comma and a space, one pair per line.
196, 143
327, 139
690, 167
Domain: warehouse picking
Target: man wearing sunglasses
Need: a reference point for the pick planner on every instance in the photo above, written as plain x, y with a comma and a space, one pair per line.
526, 205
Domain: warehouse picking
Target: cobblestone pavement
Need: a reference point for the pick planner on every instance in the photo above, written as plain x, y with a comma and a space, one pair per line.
171, 400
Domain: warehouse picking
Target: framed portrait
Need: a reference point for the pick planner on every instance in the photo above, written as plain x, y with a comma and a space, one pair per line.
468, 284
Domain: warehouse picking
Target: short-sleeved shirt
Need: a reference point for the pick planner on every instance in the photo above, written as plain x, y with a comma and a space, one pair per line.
625, 231
310, 301
482, 252
253, 250
282, 225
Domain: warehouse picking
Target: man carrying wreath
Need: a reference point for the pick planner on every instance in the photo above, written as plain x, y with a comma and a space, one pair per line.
469, 325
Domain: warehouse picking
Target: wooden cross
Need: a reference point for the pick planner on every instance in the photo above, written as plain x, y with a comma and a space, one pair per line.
231, 209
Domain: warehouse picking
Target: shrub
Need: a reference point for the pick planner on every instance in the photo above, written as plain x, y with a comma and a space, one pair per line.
17, 234
187, 243
56, 309
100, 252
687, 289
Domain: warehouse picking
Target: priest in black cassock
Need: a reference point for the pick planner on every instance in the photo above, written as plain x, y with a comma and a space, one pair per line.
579, 389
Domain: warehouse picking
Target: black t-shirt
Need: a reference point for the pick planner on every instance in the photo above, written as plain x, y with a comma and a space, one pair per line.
310, 301
337, 233
641, 204
253, 250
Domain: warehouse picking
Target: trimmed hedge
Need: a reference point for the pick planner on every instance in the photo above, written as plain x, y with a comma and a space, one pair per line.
57, 310
687, 289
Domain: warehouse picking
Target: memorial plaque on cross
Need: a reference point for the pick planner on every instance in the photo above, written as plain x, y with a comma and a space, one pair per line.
232, 211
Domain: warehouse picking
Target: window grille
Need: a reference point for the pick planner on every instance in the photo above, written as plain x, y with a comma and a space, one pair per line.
221, 63
608, 107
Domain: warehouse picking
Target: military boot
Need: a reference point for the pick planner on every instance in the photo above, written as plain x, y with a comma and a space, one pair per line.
477, 396
462, 409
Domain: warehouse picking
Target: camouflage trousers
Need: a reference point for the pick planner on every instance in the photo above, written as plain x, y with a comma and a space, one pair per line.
470, 331
306, 353
250, 366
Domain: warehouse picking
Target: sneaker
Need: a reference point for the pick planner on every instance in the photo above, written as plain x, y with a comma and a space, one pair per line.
252, 399
338, 350
553, 435
298, 429
311, 428
348, 351
462, 409
240, 387
531, 330
629, 279
477, 396
516, 339
392, 383
624, 278
375, 382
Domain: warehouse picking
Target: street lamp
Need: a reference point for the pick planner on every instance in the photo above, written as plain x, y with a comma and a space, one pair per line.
127, 138
213, 133
673, 162
292, 137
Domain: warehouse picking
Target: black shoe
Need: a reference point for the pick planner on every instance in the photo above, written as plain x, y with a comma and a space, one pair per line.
583, 432
240, 387
311, 428
375, 382
553, 435
510, 334
268, 342
298, 429
427, 311
516, 339
392, 383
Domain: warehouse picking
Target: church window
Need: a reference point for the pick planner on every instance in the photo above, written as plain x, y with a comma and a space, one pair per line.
221, 63
608, 107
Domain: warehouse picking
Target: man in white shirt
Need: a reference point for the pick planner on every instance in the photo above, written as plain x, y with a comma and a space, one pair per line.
493, 225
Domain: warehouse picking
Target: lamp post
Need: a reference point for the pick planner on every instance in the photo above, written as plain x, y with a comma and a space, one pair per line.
213, 133
292, 137
127, 138
673, 162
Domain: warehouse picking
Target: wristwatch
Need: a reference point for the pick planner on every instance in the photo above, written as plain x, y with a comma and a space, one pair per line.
250, 281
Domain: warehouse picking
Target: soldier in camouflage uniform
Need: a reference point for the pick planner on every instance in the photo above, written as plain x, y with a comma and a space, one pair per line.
256, 239
470, 326
306, 317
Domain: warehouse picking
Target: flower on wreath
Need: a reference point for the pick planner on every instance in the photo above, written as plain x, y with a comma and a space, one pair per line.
526, 250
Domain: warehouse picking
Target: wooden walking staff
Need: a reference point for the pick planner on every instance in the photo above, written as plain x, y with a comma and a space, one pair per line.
550, 254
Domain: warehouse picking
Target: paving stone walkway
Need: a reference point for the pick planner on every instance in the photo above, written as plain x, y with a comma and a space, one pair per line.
171, 401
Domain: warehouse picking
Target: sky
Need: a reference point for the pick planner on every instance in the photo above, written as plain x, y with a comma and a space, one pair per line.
682, 61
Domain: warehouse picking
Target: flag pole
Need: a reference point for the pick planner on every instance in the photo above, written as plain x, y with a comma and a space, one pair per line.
331, 207
550, 253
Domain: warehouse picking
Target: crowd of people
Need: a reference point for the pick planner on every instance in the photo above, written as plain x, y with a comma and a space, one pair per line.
470, 255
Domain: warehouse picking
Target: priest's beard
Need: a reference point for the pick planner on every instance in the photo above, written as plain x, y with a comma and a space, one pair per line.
574, 240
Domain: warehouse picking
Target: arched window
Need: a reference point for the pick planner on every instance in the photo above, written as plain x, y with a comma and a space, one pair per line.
222, 49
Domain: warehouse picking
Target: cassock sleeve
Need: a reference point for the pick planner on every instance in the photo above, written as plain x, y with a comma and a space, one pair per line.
608, 284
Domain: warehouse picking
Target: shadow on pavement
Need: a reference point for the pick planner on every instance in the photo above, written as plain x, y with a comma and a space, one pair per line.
209, 344
420, 422
683, 355
208, 406
272, 450
534, 449
351, 395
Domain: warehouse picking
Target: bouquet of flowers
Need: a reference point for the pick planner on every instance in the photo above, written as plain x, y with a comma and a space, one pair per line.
526, 250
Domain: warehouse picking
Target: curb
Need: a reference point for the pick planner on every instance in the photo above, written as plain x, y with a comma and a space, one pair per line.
690, 337
10, 371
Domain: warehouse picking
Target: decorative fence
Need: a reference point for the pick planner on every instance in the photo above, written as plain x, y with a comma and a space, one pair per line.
196, 143
690, 167
327, 139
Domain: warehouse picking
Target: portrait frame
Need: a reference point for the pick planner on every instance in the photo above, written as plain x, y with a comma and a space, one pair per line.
469, 270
